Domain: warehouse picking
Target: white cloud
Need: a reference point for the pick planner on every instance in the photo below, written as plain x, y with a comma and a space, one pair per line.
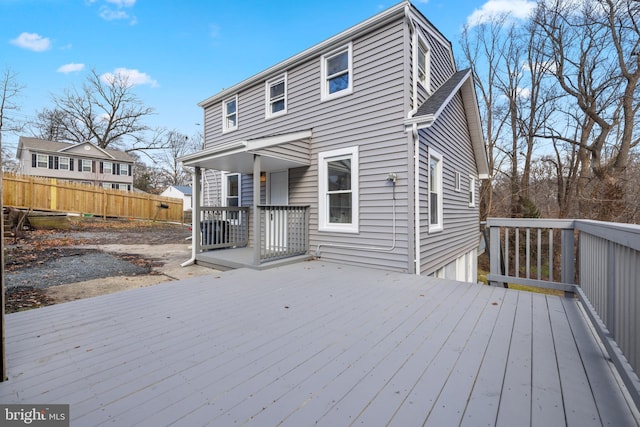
109, 14
122, 3
32, 41
519, 9
70, 68
132, 77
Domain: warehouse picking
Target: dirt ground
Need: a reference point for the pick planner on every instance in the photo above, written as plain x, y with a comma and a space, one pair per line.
94, 257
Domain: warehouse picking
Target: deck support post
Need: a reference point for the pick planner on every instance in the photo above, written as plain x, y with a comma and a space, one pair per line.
256, 212
196, 217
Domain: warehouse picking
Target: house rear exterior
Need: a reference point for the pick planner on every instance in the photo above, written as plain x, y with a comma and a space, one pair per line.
374, 132
82, 163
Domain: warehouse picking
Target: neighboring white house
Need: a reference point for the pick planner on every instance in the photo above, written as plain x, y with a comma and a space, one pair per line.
84, 163
179, 192
374, 135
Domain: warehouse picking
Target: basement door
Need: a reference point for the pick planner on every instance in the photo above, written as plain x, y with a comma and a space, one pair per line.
278, 195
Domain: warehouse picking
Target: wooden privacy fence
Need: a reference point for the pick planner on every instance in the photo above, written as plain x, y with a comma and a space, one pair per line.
23, 191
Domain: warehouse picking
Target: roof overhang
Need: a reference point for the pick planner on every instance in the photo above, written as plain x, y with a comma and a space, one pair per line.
238, 156
461, 82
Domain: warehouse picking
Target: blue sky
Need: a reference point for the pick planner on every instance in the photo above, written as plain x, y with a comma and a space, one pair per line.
180, 52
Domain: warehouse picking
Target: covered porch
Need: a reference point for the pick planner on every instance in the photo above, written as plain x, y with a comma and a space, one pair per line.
266, 230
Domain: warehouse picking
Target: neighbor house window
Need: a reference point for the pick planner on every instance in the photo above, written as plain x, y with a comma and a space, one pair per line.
423, 65
124, 169
472, 191
43, 161
63, 163
230, 114
86, 165
276, 94
338, 190
107, 167
337, 73
435, 191
231, 192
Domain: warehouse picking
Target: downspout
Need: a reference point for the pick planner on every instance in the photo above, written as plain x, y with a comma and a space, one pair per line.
195, 215
416, 195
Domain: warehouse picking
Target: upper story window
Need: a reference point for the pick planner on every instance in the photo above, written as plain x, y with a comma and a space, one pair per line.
86, 165
63, 163
338, 190
230, 114
43, 161
435, 192
337, 73
424, 65
124, 169
107, 167
458, 181
472, 191
276, 95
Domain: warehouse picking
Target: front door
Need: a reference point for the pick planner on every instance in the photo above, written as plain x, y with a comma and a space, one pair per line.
278, 195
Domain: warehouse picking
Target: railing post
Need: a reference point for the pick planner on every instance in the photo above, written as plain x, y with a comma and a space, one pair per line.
567, 259
611, 288
494, 250
256, 212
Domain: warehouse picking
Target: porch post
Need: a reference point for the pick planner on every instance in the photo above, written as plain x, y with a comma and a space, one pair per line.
195, 211
256, 213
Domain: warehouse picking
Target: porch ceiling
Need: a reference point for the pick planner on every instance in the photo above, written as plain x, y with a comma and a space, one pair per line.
238, 156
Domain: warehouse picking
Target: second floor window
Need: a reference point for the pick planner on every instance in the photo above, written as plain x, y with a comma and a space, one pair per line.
230, 114
107, 167
276, 93
63, 163
337, 73
124, 169
85, 165
423, 66
43, 161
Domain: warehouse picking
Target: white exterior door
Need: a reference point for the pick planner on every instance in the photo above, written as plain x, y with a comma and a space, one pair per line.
278, 194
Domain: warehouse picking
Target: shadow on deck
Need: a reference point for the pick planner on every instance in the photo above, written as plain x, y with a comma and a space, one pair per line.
315, 342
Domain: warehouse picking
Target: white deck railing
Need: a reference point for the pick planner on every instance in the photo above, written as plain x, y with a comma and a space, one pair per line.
285, 231
605, 275
223, 227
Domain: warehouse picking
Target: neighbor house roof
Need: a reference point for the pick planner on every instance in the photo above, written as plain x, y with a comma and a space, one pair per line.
184, 189
53, 147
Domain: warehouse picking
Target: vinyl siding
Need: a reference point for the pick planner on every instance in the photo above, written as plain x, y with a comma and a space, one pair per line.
370, 118
449, 136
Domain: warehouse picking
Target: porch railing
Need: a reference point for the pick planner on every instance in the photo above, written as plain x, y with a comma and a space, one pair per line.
223, 227
285, 231
605, 275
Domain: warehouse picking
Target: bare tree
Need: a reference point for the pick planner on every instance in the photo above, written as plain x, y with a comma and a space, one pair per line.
177, 145
105, 111
49, 125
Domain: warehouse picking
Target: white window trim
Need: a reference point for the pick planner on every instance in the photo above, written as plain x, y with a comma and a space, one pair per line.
267, 92
64, 161
225, 192
472, 191
438, 157
324, 86
226, 128
426, 82
458, 181
86, 162
108, 170
323, 204
124, 169
42, 159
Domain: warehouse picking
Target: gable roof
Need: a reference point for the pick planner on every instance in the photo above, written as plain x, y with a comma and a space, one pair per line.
404, 8
53, 147
430, 110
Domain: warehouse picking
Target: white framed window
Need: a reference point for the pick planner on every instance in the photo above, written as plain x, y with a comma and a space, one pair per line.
231, 193
85, 165
276, 96
123, 187
106, 185
435, 192
63, 163
472, 191
43, 161
337, 73
230, 114
124, 169
107, 167
338, 195
423, 64
458, 181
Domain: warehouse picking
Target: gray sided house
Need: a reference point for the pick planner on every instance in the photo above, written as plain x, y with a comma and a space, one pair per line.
364, 149
83, 163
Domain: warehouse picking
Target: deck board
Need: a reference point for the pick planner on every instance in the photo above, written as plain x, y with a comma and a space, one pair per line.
311, 343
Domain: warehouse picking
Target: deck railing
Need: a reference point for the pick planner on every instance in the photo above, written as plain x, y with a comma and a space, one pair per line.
223, 227
605, 275
285, 231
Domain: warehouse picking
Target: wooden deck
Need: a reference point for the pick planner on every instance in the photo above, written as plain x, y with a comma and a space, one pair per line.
311, 343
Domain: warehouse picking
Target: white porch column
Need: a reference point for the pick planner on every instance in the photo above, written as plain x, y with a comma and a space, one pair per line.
256, 213
195, 211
